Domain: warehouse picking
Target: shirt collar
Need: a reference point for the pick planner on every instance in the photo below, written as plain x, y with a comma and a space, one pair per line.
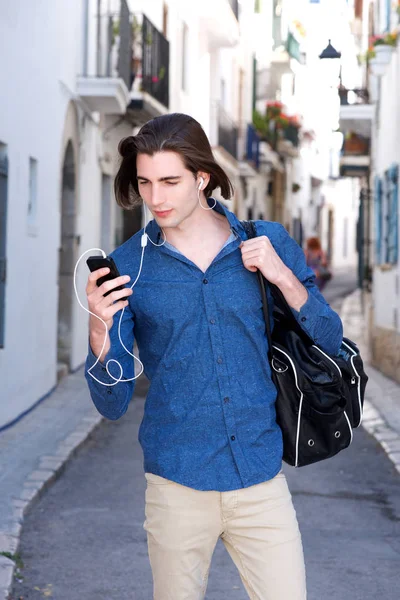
154, 230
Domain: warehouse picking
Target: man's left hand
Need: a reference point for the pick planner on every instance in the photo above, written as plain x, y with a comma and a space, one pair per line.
259, 253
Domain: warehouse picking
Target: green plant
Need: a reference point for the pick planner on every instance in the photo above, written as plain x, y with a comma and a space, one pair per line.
161, 73
114, 31
386, 39
275, 124
260, 123
16, 558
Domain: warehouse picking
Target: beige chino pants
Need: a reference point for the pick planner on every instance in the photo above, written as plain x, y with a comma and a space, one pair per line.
257, 525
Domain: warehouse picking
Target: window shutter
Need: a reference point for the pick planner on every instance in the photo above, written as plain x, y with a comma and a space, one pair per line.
378, 220
393, 220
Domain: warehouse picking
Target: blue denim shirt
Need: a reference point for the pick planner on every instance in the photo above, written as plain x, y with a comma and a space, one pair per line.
209, 417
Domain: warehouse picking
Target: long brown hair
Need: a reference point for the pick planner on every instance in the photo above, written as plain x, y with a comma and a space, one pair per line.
174, 132
313, 244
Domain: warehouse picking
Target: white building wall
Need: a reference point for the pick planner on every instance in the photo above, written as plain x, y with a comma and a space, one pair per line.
386, 151
40, 113
37, 88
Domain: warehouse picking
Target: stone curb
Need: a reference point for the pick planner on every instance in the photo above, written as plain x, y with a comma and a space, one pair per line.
386, 437
373, 422
50, 468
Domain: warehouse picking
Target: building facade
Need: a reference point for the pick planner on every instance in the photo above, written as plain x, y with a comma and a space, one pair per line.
97, 70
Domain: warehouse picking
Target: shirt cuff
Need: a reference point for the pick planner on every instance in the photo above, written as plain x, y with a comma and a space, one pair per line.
310, 312
100, 371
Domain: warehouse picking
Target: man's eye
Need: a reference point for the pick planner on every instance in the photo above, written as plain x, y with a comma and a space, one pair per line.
171, 182
142, 182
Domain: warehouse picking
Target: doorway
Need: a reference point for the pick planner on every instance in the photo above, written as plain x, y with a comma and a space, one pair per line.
68, 254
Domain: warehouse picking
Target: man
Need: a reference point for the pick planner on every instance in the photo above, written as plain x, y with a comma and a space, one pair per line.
212, 448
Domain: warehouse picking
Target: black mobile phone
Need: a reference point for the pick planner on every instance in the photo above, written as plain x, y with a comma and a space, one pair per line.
98, 262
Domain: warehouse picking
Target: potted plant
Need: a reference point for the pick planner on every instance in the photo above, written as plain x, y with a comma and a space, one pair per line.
275, 125
273, 109
355, 144
382, 46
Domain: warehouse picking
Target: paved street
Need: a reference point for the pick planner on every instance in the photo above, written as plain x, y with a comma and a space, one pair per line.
85, 540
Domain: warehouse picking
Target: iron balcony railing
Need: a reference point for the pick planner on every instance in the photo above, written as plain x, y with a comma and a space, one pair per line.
291, 133
113, 44
227, 132
131, 47
150, 59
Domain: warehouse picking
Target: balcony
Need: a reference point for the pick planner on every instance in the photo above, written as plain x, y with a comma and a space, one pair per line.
128, 72
105, 81
227, 133
150, 71
355, 156
356, 113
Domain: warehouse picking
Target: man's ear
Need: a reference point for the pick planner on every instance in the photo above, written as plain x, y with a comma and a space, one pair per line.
206, 179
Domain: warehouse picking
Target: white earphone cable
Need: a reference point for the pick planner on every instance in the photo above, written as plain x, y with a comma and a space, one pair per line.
198, 197
144, 239
116, 380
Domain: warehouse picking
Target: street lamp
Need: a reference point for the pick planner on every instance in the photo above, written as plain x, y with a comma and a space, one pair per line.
334, 64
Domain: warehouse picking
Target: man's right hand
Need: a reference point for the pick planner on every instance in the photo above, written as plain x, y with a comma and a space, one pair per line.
104, 307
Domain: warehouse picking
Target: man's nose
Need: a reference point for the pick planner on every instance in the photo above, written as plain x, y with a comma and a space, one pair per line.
156, 196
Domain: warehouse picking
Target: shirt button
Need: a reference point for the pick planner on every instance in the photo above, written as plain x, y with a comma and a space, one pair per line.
233, 438
219, 360
103, 369
212, 321
226, 400
109, 391
205, 280
303, 319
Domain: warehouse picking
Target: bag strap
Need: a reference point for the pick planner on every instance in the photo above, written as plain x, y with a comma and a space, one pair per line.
279, 298
251, 232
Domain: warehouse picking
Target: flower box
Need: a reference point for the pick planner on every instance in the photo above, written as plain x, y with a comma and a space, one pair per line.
383, 54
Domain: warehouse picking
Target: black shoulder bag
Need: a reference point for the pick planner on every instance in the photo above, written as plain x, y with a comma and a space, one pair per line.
319, 397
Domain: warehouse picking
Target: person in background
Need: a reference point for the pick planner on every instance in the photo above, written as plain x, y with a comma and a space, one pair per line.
318, 262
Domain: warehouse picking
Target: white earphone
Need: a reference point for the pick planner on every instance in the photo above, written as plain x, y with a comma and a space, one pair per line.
198, 196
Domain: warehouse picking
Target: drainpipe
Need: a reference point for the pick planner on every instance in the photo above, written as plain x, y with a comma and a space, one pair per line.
98, 40
85, 36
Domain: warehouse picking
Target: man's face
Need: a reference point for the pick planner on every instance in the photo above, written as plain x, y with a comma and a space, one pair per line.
168, 189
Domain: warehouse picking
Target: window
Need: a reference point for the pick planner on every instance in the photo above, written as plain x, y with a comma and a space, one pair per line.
392, 215
378, 220
32, 205
184, 57
387, 217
